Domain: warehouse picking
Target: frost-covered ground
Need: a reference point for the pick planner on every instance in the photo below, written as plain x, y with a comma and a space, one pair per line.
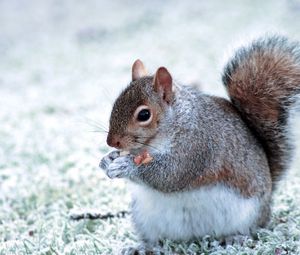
62, 63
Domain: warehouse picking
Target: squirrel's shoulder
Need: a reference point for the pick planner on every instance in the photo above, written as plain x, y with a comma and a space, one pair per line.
195, 98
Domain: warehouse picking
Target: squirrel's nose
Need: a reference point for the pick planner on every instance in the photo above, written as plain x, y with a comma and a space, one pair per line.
114, 141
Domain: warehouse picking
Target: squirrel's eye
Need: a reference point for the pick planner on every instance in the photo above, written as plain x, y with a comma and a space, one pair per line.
144, 115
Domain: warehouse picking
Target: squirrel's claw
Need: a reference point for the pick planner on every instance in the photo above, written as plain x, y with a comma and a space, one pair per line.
108, 159
120, 167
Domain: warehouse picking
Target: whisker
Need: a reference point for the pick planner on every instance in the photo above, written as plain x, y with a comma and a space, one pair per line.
94, 121
96, 125
99, 131
108, 96
99, 124
156, 143
137, 136
145, 137
150, 146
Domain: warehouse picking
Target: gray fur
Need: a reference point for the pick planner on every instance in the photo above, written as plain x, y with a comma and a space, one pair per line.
204, 141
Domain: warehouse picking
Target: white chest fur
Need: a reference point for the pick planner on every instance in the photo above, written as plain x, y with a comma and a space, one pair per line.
214, 210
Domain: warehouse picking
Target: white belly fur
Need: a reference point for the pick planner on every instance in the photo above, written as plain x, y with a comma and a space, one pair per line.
215, 210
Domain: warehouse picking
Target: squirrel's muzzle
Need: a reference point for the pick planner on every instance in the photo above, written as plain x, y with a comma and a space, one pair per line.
114, 140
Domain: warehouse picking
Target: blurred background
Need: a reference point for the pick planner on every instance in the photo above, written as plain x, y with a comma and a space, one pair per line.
62, 64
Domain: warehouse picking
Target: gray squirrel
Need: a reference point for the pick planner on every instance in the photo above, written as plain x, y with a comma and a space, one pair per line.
203, 165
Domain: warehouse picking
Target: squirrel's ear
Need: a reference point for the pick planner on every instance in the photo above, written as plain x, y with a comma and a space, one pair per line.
138, 70
163, 83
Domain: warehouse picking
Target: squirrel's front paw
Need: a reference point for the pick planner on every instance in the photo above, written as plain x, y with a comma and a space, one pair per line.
120, 167
108, 159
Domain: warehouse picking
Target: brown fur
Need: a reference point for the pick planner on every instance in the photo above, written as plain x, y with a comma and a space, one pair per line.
234, 178
262, 81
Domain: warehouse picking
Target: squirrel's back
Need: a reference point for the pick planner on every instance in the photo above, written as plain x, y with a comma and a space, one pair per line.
263, 81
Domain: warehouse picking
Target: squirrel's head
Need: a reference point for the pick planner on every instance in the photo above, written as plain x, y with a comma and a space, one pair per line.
137, 112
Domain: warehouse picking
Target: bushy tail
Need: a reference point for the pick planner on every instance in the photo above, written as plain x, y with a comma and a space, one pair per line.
263, 81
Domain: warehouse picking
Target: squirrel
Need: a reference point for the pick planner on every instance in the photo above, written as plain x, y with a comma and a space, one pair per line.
205, 165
